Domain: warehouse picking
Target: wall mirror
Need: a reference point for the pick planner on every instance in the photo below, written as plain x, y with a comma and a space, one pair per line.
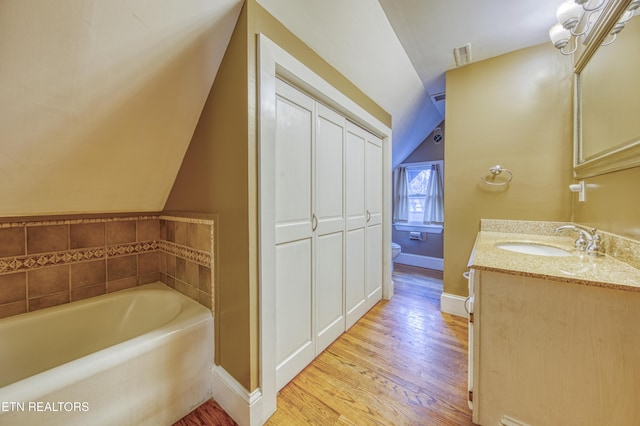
607, 97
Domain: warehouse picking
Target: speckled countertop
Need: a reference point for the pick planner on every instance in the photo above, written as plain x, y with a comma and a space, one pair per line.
579, 268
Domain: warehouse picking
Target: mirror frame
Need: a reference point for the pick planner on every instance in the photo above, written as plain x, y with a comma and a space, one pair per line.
616, 158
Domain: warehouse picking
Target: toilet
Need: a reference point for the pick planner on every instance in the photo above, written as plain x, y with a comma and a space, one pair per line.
396, 249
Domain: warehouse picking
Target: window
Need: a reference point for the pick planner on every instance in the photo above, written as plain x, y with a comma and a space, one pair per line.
417, 184
418, 195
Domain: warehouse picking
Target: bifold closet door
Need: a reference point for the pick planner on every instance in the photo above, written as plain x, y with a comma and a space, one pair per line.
373, 183
329, 202
355, 284
364, 222
295, 328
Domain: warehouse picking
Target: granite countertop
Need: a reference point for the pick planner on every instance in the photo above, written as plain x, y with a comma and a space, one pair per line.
579, 268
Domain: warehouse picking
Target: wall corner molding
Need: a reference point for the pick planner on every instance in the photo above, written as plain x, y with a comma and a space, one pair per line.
246, 408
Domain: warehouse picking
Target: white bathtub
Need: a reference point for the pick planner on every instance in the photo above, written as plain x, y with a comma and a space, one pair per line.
136, 357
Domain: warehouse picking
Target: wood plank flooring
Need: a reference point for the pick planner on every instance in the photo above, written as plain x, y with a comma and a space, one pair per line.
403, 363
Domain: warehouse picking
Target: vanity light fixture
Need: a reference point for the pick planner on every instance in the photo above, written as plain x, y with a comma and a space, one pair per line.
572, 12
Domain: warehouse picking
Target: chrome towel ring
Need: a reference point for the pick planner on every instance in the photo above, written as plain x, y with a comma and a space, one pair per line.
495, 171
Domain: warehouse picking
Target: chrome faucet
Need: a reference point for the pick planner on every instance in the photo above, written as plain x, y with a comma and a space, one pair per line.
587, 241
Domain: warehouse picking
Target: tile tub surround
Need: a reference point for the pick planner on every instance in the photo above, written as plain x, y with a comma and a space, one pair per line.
607, 271
187, 261
47, 262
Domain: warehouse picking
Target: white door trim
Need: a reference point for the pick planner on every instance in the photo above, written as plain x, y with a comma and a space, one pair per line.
273, 61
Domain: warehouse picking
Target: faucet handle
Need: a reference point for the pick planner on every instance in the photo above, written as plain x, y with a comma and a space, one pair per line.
581, 242
595, 247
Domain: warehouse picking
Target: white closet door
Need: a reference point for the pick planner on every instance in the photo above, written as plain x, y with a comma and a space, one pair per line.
355, 287
294, 236
329, 211
373, 183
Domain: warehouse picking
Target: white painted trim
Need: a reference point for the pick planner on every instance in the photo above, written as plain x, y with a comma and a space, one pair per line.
273, 61
453, 304
245, 407
420, 261
233, 397
429, 229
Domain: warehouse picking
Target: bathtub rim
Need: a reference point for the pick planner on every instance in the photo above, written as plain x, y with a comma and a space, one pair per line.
191, 315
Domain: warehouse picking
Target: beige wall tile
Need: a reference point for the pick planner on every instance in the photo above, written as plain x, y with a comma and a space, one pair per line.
148, 230
88, 291
47, 281
121, 232
148, 262
121, 284
149, 278
12, 242
48, 301
13, 287
204, 279
84, 235
45, 239
171, 231
14, 308
181, 269
88, 273
193, 274
181, 233
171, 264
122, 267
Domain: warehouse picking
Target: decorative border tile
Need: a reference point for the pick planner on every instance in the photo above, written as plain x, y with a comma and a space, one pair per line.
187, 253
29, 262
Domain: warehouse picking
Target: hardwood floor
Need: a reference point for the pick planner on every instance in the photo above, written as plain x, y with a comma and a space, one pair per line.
403, 363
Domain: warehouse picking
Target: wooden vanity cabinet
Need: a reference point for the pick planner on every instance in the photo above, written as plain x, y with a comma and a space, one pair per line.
545, 352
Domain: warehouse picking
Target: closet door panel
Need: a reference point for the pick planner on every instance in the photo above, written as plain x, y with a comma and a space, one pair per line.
329, 289
329, 202
329, 179
374, 264
355, 178
355, 290
294, 237
294, 309
373, 179
373, 182
293, 164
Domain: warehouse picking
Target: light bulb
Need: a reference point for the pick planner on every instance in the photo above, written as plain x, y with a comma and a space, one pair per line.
559, 36
568, 14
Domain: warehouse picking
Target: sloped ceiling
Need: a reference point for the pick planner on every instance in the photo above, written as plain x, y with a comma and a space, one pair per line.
356, 37
99, 99
397, 51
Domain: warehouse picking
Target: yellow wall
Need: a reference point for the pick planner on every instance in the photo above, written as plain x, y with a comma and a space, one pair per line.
513, 110
612, 203
219, 175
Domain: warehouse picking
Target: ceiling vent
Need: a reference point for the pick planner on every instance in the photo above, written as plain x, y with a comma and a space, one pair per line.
462, 54
438, 97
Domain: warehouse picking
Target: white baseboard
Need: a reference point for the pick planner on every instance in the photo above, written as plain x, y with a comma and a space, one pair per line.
453, 304
420, 261
245, 407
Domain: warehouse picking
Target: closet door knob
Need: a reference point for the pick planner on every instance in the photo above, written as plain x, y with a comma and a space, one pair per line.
368, 216
314, 223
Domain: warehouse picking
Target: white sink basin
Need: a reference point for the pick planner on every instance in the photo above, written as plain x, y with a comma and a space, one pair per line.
533, 248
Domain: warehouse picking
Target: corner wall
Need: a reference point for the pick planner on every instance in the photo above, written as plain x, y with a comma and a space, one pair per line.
513, 110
